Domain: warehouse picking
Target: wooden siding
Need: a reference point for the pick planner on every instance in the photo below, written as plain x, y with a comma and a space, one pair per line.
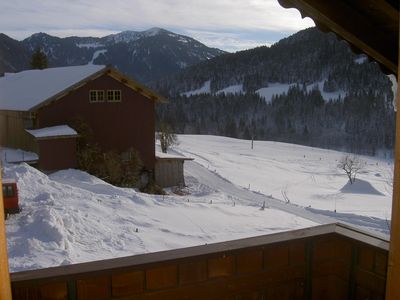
57, 153
115, 125
12, 131
314, 263
169, 172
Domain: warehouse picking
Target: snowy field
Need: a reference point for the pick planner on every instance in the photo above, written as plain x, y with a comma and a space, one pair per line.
71, 216
305, 176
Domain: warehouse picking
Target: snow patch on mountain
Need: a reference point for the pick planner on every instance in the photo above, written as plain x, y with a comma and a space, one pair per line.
326, 95
361, 59
274, 89
96, 54
89, 45
130, 35
282, 88
232, 89
205, 89
182, 64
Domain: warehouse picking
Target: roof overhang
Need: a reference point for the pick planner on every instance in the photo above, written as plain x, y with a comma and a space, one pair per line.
369, 26
141, 89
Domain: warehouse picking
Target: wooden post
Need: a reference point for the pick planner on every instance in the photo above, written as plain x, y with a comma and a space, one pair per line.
5, 288
393, 272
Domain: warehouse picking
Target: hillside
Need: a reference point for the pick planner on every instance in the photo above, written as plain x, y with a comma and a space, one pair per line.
144, 55
69, 213
308, 88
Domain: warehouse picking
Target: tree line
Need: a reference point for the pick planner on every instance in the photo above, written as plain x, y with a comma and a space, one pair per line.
361, 122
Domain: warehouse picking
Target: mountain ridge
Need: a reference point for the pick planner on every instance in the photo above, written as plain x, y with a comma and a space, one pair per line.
144, 55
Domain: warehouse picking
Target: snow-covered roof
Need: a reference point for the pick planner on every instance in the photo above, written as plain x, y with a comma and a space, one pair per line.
27, 89
9, 180
161, 155
54, 131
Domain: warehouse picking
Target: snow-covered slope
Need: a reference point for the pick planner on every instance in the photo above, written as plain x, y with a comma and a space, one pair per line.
273, 89
130, 35
302, 175
72, 217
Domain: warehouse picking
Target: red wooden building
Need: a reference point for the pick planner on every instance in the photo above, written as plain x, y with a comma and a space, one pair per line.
36, 107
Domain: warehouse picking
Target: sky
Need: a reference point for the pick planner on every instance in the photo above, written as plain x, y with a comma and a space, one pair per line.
230, 25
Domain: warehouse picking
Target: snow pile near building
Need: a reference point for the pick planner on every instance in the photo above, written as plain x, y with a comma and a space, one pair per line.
71, 216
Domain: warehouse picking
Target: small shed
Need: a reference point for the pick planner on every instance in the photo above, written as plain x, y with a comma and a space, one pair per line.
169, 170
56, 147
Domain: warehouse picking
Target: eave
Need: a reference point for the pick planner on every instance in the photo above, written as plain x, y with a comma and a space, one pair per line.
369, 26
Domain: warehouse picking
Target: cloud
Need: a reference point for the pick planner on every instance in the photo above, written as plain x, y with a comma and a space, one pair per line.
20, 18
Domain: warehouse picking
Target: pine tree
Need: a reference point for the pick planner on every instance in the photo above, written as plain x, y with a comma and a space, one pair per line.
38, 60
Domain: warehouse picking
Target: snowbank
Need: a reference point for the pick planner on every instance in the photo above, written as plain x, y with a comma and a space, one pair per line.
71, 216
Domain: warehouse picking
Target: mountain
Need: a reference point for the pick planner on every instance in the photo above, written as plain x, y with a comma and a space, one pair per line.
144, 55
13, 55
306, 57
308, 88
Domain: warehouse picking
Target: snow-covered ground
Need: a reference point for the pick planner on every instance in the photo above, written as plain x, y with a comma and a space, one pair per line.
71, 216
305, 176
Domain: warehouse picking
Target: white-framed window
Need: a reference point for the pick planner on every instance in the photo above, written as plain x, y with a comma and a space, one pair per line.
96, 96
114, 96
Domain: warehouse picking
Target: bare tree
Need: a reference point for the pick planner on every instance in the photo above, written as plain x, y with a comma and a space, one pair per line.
166, 137
351, 164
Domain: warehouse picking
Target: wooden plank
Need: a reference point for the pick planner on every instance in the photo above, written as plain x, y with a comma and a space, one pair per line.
393, 273
5, 288
353, 26
155, 259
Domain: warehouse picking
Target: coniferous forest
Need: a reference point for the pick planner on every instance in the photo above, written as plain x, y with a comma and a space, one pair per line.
360, 121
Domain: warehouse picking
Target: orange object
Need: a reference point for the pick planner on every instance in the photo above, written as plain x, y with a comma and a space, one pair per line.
10, 196
5, 287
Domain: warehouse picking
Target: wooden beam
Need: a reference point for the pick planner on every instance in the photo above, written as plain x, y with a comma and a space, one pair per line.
5, 288
353, 26
393, 272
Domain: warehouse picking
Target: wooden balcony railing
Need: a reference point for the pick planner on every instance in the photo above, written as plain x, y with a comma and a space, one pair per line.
323, 262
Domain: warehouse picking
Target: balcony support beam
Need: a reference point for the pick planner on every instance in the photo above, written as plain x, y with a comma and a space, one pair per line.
393, 273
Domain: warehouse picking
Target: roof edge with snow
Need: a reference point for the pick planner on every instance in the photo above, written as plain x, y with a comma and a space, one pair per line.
61, 131
166, 156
